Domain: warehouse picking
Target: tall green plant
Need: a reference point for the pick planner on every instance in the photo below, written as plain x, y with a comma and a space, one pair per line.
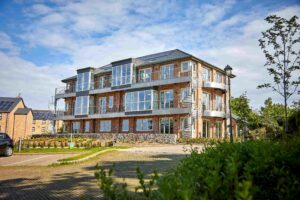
280, 44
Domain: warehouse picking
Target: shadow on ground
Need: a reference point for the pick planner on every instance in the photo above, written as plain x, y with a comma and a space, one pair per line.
78, 185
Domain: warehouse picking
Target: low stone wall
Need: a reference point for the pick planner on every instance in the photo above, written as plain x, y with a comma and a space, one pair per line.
118, 137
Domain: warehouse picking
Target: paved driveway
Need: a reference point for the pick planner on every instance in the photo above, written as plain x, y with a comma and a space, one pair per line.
32, 159
77, 181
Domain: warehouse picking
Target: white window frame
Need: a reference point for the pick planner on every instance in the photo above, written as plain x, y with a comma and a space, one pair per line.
133, 99
86, 130
146, 128
82, 107
125, 129
206, 77
185, 123
183, 93
163, 103
120, 75
168, 120
83, 81
145, 77
219, 134
218, 103
219, 77
102, 105
189, 66
207, 129
110, 101
167, 68
205, 101
103, 126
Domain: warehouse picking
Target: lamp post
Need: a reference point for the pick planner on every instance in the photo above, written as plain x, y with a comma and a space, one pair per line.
229, 74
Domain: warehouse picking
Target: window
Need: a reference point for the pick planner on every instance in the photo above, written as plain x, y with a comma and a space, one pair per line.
185, 124
166, 126
218, 103
66, 107
75, 127
43, 130
167, 71
87, 127
206, 74
121, 74
33, 122
206, 129
82, 105
145, 75
219, 129
111, 101
0, 116
186, 66
101, 82
105, 125
166, 99
138, 101
144, 125
83, 81
206, 101
102, 105
44, 122
185, 93
219, 77
125, 125
33, 129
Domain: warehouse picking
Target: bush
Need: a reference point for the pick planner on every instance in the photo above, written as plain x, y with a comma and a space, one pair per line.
251, 170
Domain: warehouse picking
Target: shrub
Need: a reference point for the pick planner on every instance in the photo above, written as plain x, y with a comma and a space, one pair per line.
251, 170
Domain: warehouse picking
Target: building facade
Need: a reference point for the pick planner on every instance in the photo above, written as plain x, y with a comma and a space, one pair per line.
43, 122
15, 118
170, 92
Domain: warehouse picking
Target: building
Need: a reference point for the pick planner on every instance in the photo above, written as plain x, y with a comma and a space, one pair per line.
170, 92
43, 122
15, 117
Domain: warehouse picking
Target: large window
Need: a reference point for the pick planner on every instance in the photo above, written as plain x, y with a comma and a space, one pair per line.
206, 101
218, 129
145, 75
138, 101
111, 101
105, 126
167, 71
185, 124
218, 103
186, 66
206, 75
75, 127
185, 93
82, 105
206, 129
121, 74
83, 81
125, 125
102, 105
144, 125
87, 127
219, 77
166, 125
166, 99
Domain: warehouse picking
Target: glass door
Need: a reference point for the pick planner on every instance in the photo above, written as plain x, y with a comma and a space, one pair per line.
166, 126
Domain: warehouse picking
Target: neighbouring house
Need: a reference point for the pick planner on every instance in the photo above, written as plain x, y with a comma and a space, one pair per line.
170, 92
43, 122
15, 117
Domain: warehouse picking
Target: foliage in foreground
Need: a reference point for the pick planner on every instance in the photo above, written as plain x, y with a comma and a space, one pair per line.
250, 170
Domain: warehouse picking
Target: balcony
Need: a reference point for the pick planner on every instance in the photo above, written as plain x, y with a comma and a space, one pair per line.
64, 92
119, 111
216, 111
215, 85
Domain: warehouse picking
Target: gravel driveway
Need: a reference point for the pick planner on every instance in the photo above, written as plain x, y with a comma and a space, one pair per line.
77, 181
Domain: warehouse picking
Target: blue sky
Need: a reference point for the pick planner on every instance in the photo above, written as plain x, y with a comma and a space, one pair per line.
42, 42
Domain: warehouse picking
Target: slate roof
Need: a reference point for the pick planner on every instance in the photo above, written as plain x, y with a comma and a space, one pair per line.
7, 104
22, 111
43, 115
152, 59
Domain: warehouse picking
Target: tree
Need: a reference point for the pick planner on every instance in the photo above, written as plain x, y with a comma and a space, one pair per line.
246, 117
280, 44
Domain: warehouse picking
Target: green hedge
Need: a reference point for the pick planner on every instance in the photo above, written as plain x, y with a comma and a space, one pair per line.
251, 170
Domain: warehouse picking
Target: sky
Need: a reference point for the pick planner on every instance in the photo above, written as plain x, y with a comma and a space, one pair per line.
43, 42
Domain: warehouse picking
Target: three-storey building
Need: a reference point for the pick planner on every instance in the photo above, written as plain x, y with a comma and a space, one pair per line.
170, 92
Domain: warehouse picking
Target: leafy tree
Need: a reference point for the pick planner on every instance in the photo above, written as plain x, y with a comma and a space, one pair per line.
246, 117
280, 44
